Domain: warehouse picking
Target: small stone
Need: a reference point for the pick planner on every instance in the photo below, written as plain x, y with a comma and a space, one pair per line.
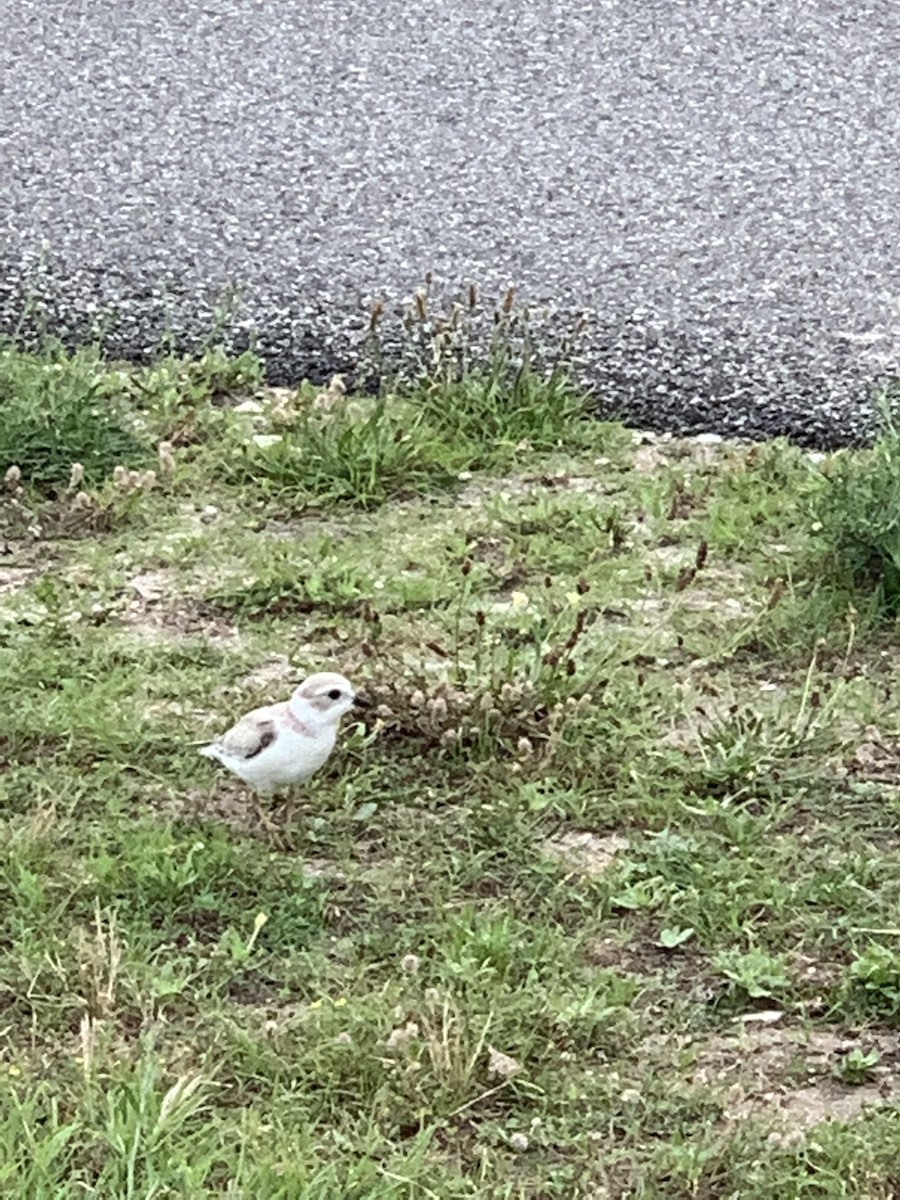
519, 1142
502, 1066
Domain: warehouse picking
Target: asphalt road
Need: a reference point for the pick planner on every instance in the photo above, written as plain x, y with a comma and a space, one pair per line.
715, 181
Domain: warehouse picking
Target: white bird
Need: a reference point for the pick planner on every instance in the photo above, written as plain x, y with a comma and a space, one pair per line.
283, 744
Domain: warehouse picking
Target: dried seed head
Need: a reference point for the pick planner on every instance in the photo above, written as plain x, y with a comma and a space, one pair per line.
524, 747
421, 308
283, 415
473, 295
582, 587
585, 700
486, 703
148, 480
400, 1038
480, 619
375, 315
494, 714
337, 387
120, 476
776, 593
508, 300
82, 501
12, 478
417, 699
410, 963
449, 737
76, 475
438, 707
467, 567
685, 578
166, 454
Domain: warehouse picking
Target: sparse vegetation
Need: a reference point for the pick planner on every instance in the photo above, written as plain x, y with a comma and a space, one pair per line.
599, 899
858, 513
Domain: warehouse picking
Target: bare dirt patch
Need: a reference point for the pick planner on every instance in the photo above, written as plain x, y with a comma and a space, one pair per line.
584, 852
275, 673
13, 579
790, 1079
156, 611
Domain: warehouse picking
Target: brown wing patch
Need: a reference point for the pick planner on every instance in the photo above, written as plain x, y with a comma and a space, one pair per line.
266, 738
249, 737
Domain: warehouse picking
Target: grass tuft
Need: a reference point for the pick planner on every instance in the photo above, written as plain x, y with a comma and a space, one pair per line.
58, 409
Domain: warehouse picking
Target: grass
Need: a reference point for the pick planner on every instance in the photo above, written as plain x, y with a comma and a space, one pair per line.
600, 901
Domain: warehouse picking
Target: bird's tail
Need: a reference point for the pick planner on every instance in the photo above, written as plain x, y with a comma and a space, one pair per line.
210, 751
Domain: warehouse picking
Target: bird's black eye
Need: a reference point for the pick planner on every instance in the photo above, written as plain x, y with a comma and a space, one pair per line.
334, 694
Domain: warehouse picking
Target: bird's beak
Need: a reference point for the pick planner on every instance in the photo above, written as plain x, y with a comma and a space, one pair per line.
361, 701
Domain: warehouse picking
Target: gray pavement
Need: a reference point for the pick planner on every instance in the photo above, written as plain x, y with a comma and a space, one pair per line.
714, 181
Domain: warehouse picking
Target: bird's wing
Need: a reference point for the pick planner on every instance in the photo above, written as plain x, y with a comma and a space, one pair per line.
251, 735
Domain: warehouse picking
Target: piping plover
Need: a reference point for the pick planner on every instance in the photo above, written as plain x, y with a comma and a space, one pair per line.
283, 744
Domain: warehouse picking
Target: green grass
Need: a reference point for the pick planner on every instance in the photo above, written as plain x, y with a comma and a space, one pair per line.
628, 789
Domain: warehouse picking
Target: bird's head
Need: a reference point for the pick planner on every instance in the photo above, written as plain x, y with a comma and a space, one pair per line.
322, 699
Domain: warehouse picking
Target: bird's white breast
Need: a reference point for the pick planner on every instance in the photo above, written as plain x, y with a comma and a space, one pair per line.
290, 759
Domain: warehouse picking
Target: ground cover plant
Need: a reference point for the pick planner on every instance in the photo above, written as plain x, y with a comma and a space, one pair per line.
599, 899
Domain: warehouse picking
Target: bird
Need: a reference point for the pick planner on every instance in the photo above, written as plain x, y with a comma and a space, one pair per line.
283, 744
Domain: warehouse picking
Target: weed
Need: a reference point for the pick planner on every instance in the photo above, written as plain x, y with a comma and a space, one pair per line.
752, 974
874, 980
857, 1065
58, 409
364, 455
858, 514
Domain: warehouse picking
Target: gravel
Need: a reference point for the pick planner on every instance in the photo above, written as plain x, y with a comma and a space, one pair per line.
710, 182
